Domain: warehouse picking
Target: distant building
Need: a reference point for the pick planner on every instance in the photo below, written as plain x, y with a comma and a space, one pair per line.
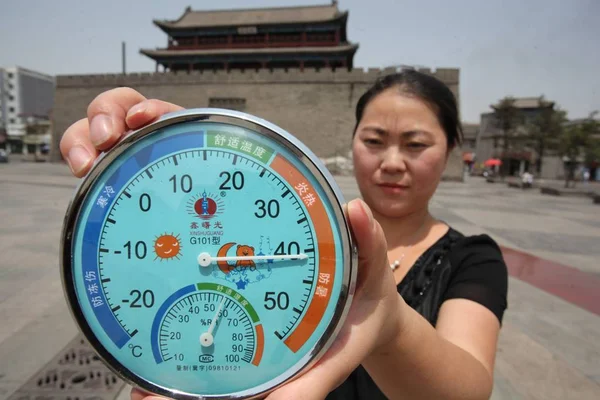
26, 98
470, 134
265, 38
522, 153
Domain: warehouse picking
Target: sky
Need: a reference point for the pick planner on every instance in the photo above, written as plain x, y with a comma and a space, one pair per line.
502, 47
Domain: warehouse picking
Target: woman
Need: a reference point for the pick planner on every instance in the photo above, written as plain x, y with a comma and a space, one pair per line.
429, 302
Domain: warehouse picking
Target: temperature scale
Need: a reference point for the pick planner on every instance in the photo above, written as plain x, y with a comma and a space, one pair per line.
207, 256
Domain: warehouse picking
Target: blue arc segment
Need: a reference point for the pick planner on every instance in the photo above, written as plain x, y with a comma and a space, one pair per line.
101, 205
159, 316
91, 277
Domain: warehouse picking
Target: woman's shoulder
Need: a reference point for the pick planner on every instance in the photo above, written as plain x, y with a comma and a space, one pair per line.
473, 248
478, 272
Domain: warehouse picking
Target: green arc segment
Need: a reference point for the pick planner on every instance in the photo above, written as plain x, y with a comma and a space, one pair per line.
233, 294
243, 144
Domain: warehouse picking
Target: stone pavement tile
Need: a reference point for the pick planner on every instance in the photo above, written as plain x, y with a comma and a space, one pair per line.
29, 273
590, 220
483, 206
474, 197
446, 215
558, 209
525, 222
503, 390
125, 393
75, 372
535, 373
347, 185
584, 263
566, 331
552, 241
467, 229
23, 353
29, 304
579, 215
581, 204
8, 387
29, 169
39, 181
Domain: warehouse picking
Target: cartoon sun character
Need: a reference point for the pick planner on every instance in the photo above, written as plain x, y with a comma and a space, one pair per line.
167, 247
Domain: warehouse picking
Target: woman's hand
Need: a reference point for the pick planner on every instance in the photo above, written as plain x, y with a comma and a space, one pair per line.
374, 320
109, 117
376, 314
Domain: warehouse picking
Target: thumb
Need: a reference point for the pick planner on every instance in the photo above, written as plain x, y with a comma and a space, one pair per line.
370, 241
139, 394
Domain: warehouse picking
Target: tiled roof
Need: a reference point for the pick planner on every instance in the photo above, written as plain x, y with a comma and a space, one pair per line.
256, 16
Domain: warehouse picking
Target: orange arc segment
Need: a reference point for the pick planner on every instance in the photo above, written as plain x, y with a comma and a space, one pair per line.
325, 276
260, 344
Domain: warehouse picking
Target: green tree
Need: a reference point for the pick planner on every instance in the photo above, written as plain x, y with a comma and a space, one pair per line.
508, 118
546, 129
591, 128
578, 141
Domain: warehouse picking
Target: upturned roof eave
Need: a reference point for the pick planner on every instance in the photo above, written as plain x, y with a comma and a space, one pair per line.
169, 26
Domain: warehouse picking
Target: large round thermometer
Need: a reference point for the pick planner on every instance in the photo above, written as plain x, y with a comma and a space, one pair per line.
207, 256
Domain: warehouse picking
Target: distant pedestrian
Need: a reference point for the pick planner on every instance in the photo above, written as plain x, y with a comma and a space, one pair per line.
527, 179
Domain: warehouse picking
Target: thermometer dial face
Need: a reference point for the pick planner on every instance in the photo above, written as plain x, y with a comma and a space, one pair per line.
207, 255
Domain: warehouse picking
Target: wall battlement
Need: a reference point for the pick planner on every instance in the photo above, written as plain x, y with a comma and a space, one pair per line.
357, 75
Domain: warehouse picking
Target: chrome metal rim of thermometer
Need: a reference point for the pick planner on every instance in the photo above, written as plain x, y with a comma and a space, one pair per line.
207, 256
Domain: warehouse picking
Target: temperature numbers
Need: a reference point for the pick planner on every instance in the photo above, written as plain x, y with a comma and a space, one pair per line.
140, 299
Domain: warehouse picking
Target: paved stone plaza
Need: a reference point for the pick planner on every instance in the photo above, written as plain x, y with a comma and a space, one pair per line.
549, 348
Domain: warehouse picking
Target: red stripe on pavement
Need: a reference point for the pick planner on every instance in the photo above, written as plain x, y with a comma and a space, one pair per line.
568, 283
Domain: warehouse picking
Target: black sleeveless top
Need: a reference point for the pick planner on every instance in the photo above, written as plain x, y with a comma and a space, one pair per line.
454, 267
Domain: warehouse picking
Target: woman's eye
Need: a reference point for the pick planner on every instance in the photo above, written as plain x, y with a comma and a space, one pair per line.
416, 145
372, 142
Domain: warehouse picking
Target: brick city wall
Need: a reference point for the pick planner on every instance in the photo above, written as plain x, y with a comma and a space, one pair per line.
315, 106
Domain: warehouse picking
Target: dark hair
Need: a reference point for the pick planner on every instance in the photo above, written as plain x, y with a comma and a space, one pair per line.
428, 89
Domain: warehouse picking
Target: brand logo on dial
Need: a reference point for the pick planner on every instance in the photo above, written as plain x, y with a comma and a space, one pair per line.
205, 206
243, 272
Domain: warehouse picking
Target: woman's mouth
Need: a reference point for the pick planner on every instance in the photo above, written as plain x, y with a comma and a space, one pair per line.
392, 188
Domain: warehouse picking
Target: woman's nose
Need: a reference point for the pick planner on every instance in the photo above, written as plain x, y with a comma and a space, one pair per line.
393, 161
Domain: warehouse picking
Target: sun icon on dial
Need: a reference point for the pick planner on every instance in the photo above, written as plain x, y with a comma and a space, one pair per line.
167, 246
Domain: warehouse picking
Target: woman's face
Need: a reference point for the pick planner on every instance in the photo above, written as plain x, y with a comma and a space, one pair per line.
400, 151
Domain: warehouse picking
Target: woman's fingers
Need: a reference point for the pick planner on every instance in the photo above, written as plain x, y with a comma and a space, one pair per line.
328, 374
148, 111
107, 113
77, 148
370, 241
110, 116
102, 128
137, 394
